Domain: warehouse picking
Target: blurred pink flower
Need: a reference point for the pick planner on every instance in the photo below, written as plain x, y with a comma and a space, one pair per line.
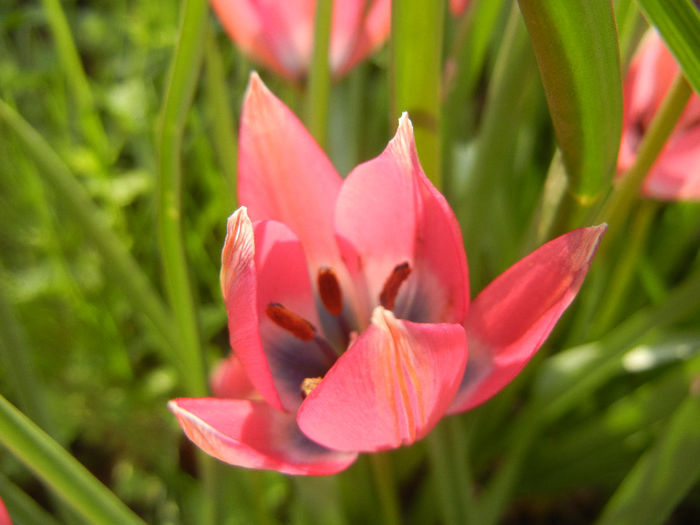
4, 515
676, 172
279, 34
458, 6
348, 305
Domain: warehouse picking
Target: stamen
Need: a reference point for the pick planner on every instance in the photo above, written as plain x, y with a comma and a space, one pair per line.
329, 290
308, 384
392, 285
290, 321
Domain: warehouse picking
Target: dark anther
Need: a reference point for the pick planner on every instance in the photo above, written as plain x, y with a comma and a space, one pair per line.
294, 323
392, 285
329, 290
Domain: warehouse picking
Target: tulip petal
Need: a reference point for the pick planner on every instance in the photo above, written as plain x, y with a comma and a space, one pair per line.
284, 175
511, 318
390, 388
676, 173
373, 29
252, 434
230, 380
389, 213
265, 264
457, 7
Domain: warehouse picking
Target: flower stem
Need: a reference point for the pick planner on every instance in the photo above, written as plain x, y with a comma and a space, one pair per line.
624, 268
381, 470
178, 97
318, 92
617, 206
66, 476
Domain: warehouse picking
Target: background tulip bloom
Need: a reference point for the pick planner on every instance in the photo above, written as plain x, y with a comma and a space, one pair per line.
458, 6
348, 305
676, 172
4, 515
280, 34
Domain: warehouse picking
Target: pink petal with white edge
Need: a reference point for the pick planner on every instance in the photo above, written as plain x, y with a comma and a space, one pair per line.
511, 318
389, 213
389, 389
230, 380
284, 175
265, 264
252, 434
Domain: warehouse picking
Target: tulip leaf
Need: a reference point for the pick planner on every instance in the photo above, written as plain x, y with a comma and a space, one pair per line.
664, 475
576, 48
416, 58
678, 22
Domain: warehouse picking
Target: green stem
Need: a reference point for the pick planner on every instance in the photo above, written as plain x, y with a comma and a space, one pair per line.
617, 206
318, 92
223, 132
181, 86
624, 268
487, 207
93, 131
451, 486
77, 202
178, 98
66, 476
381, 470
496, 496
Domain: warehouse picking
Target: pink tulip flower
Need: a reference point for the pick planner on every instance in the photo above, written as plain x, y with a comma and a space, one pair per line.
4, 515
458, 6
280, 34
348, 305
676, 172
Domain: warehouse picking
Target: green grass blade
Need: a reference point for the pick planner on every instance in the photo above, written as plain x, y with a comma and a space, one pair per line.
180, 89
416, 58
318, 90
89, 118
665, 474
576, 47
678, 21
66, 476
21, 507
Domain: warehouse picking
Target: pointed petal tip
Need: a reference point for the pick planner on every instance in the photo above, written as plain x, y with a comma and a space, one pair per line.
256, 91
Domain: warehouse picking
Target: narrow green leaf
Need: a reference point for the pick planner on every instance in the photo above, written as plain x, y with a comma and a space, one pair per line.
664, 475
678, 21
21, 507
179, 92
416, 56
66, 476
318, 89
575, 44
